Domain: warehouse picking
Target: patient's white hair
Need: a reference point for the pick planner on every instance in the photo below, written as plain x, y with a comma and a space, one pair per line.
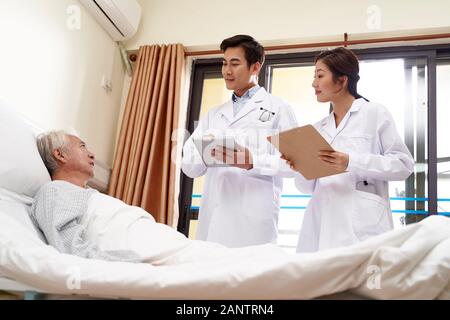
47, 143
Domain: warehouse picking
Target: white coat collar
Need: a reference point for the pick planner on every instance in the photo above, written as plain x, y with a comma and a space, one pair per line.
356, 105
227, 110
329, 124
256, 101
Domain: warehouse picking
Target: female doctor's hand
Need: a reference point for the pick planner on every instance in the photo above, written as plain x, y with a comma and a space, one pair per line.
240, 158
336, 159
287, 161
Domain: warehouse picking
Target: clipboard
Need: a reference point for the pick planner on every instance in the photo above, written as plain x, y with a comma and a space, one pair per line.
207, 143
301, 146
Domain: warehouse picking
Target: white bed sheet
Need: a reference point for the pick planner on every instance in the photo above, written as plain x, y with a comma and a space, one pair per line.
412, 263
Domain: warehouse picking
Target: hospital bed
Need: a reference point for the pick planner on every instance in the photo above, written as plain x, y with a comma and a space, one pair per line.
411, 263
17, 289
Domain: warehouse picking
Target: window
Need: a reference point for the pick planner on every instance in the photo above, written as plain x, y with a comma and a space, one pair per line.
443, 131
214, 94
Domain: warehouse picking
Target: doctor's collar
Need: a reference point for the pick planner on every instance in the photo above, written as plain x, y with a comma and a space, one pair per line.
356, 105
248, 94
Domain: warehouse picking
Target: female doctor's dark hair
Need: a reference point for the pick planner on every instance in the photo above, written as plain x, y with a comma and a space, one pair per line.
342, 62
254, 51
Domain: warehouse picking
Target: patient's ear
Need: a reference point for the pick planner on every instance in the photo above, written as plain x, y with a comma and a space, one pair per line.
59, 155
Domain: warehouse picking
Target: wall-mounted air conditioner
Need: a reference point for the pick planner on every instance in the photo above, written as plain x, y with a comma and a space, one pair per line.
120, 18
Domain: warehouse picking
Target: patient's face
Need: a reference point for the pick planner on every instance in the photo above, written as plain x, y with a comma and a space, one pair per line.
79, 158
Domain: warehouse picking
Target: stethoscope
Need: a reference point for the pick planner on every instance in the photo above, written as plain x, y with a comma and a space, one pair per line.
266, 115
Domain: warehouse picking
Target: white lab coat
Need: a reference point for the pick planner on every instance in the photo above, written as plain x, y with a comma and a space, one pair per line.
240, 207
343, 209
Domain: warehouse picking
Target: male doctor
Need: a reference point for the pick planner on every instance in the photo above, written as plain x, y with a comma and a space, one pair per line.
240, 203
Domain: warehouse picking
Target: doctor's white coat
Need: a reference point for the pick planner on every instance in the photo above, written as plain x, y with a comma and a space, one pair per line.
352, 206
240, 207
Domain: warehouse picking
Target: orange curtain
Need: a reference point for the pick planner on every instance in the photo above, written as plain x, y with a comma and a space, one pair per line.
143, 172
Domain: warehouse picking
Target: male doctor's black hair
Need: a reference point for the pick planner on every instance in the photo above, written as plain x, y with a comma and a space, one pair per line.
342, 62
254, 52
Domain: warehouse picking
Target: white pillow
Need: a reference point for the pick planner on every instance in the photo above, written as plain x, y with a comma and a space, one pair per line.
8, 195
15, 223
21, 167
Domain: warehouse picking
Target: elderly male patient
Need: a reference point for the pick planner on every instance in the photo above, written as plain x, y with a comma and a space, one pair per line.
84, 222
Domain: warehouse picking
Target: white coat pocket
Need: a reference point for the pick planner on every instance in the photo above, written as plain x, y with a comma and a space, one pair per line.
370, 215
360, 143
262, 125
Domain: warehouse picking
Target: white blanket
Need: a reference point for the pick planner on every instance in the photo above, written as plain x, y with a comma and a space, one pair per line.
114, 225
412, 263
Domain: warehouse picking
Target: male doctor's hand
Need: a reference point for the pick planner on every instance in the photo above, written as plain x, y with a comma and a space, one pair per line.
240, 158
336, 159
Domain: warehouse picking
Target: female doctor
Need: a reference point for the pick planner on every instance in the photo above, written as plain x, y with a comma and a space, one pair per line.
352, 206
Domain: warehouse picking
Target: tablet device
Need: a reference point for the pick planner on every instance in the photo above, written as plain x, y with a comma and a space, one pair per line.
207, 143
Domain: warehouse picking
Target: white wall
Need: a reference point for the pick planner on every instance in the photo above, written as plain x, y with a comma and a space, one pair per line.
51, 73
205, 23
